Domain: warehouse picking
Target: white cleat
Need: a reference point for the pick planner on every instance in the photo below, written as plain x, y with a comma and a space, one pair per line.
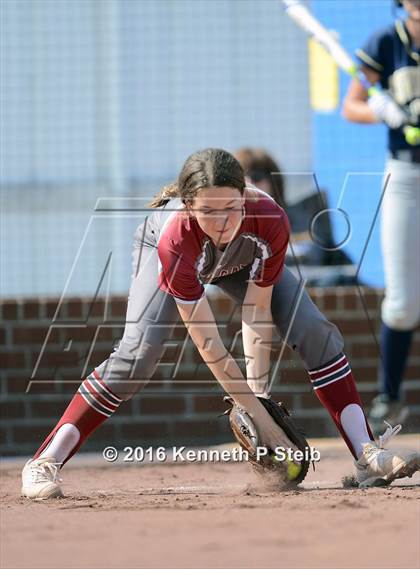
379, 467
39, 479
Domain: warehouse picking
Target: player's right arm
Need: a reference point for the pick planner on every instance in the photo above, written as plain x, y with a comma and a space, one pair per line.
355, 105
199, 320
201, 325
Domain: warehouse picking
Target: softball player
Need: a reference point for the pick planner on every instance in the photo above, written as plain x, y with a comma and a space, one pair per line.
210, 228
391, 56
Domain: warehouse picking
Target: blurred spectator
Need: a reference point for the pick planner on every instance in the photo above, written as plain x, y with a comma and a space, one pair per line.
312, 256
259, 168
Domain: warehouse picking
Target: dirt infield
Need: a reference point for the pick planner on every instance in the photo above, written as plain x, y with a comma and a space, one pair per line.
210, 515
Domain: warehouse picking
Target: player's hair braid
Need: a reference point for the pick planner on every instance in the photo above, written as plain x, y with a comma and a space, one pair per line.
212, 167
166, 193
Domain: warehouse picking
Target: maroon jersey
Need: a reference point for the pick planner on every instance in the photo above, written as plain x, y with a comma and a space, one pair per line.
189, 258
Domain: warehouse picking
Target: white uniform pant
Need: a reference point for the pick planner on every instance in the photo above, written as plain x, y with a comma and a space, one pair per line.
400, 239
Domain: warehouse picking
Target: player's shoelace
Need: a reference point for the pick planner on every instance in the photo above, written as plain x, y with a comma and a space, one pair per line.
388, 434
46, 472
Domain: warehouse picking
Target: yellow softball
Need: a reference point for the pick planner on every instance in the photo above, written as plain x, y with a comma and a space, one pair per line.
293, 469
412, 135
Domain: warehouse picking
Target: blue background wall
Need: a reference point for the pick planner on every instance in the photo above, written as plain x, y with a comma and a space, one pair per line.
106, 99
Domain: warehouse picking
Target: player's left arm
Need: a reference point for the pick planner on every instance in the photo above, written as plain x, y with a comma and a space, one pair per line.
355, 105
257, 335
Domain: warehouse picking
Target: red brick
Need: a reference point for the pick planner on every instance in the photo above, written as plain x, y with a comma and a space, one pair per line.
3, 383
109, 334
209, 404
96, 309
3, 435
192, 386
75, 309
367, 397
20, 383
9, 310
162, 405
139, 431
364, 373
50, 359
17, 384
412, 397
196, 429
88, 333
127, 409
48, 409
31, 310
309, 401
98, 356
11, 409
30, 434
78, 334
372, 298
351, 300
330, 301
33, 335
361, 326
104, 436
67, 386
12, 360
46, 383
412, 372
50, 309
365, 350
317, 295
317, 426
118, 308
189, 378
293, 375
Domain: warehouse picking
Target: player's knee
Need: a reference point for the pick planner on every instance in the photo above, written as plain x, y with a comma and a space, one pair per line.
143, 356
135, 378
323, 330
129, 368
319, 342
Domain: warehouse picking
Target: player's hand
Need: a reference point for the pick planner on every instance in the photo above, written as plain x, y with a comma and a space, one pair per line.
387, 111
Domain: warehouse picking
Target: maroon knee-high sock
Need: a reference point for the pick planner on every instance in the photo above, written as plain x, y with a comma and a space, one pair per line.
335, 387
92, 404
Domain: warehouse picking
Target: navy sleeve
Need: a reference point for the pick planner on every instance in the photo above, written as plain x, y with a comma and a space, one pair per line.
377, 53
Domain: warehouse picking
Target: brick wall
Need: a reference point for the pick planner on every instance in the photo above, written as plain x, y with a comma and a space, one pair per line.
46, 351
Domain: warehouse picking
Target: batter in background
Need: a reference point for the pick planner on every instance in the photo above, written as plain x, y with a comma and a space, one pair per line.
391, 57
